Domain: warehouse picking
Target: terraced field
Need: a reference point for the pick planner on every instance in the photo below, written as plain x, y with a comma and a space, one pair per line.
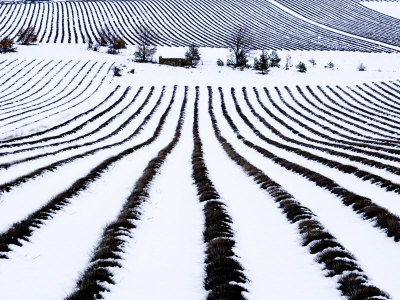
193, 192
292, 26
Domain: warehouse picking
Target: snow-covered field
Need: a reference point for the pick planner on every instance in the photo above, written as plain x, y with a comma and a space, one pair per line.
197, 183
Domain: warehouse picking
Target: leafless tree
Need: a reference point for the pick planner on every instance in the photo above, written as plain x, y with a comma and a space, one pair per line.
27, 36
313, 62
240, 44
146, 48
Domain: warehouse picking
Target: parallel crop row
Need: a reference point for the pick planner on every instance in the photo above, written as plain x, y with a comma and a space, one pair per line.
178, 23
323, 155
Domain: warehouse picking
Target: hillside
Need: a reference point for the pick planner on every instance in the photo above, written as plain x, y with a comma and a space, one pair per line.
211, 182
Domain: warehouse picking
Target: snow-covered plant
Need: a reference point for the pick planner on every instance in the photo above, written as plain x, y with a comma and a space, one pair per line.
220, 63
117, 71
362, 67
330, 65
262, 63
313, 62
240, 45
193, 55
301, 67
288, 63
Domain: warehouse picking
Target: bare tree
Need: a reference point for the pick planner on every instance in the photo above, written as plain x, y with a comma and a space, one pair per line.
146, 48
313, 62
240, 44
27, 36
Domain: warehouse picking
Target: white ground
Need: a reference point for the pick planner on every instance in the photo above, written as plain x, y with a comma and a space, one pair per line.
164, 260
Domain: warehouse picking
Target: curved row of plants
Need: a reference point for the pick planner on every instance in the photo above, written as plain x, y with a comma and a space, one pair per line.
338, 262
379, 216
108, 253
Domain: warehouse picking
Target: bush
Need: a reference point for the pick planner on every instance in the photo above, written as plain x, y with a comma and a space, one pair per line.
117, 71
7, 45
313, 62
27, 36
115, 45
220, 63
362, 67
193, 55
330, 65
301, 67
263, 63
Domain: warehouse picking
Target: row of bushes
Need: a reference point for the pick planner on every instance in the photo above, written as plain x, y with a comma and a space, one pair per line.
6, 187
382, 218
344, 111
351, 107
108, 253
68, 132
360, 159
347, 169
65, 134
24, 229
328, 140
378, 111
339, 262
224, 274
361, 137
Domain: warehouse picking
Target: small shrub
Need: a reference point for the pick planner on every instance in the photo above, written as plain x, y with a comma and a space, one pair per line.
117, 71
301, 67
362, 67
132, 71
220, 63
115, 45
313, 62
263, 63
330, 65
7, 45
27, 36
111, 50
118, 43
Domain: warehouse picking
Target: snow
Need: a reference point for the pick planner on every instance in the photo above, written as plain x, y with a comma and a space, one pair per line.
164, 259
390, 8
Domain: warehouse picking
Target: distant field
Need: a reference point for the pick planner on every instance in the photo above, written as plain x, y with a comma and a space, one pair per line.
179, 23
